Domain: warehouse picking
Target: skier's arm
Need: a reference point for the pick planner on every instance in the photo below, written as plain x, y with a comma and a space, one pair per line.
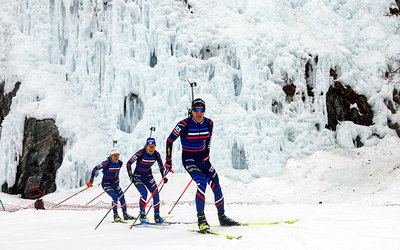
208, 141
131, 161
160, 164
172, 137
98, 167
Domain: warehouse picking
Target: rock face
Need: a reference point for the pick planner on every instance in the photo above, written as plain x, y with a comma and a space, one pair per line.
5, 100
41, 157
343, 104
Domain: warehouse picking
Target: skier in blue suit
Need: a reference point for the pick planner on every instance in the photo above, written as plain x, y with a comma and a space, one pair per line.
196, 132
143, 178
110, 182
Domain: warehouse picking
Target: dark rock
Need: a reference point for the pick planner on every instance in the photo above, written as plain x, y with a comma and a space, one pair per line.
394, 126
289, 90
338, 101
5, 100
394, 105
394, 11
309, 75
357, 142
42, 155
333, 74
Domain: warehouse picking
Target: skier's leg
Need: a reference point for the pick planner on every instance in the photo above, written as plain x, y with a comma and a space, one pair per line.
110, 191
213, 181
152, 186
143, 193
201, 181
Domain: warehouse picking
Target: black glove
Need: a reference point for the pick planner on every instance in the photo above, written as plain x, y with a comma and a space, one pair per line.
165, 180
132, 178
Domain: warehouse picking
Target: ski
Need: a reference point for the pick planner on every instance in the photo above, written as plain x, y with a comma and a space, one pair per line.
264, 223
120, 221
181, 222
209, 231
164, 224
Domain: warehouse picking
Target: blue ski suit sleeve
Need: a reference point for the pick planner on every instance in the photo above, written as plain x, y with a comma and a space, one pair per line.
160, 163
132, 160
98, 167
174, 135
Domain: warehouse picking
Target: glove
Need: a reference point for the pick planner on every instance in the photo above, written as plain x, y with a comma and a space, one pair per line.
89, 184
165, 180
168, 165
132, 178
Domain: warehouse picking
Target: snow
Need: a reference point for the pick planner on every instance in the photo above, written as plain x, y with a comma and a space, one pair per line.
77, 61
343, 198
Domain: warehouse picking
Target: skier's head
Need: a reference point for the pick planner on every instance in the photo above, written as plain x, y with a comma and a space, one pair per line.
150, 145
198, 102
198, 109
114, 154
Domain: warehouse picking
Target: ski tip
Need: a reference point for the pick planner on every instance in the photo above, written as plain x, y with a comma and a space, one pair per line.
291, 221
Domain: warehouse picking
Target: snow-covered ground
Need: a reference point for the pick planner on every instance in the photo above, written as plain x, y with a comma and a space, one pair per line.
344, 199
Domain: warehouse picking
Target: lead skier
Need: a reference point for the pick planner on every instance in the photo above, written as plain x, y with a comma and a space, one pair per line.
196, 132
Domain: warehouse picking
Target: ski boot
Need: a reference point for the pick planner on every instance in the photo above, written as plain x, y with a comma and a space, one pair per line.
116, 217
202, 222
143, 219
158, 219
127, 216
226, 221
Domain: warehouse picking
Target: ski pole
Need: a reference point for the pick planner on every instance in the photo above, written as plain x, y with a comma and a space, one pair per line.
162, 180
110, 210
180, 196
69, 197
94, 198
2, 205
152, 204
36, 188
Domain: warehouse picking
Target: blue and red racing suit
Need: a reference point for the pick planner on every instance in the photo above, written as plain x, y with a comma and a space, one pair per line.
110, 181
142, 177
196, 141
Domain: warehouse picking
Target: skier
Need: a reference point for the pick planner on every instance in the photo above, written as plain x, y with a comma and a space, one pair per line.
110, 182
195, 132
142, 177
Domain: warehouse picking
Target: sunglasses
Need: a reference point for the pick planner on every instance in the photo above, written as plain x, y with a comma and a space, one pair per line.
199, 109
151, 147
114, 155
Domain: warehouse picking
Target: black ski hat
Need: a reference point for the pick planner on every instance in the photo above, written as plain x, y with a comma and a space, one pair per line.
198, 102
